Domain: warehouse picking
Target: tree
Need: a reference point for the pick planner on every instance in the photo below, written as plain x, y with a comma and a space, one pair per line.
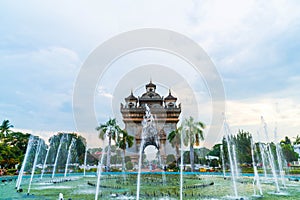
242, 142
124, 141
129, 165
110, 130
170, 158
174, 138
5, 128
192, 134
286, 140
289, 153
297, 140
12, 149
288, 150
216, 150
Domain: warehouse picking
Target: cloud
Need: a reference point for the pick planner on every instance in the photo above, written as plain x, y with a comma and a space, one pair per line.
40, 86
246, 114
254, 44
102, 92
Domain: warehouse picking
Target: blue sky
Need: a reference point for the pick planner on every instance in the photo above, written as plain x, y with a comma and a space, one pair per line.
255, 46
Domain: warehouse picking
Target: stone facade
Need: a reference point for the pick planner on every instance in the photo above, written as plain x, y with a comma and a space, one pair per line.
166, 112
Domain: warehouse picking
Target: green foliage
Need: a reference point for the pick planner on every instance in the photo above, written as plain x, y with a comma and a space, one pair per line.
192, 133
116, 159
174, 138
111, 130
202, 152
172, 166
127, 159
124, 140
5, 128
93, 156
77, 151
297, 140
242, 142
171, 158
216, 150
12, 146
289, 153
187, 160
113, 169
214, 163
129, 165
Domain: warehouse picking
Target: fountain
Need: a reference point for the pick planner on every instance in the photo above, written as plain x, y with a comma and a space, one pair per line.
57, 154
139, 171
231, 159
236, 171
263, 158
85, 156
181, 165
45, 161
151, 185
37, 152
99, 168
29, 146
256, 176
223, 160
279, 158
270, 157
281, 170
149, 136
69, 155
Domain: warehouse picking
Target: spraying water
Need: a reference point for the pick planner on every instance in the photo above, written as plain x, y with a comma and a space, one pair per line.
263, 158
29, 146
223, 160
270, 157
139, 172
232, 165
162, 167
236, 171
181, 165
45, 161
99, 169
37, 152
279, 159
123, 166
256, 176
69, 155
149, 134
279, 152
57, 154
85, 156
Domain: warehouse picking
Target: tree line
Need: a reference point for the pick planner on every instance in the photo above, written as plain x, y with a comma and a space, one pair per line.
13, 145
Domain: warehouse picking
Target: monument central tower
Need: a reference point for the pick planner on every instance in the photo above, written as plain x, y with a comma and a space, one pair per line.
166, 113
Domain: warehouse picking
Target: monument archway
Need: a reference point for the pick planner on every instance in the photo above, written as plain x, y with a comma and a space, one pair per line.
165, 111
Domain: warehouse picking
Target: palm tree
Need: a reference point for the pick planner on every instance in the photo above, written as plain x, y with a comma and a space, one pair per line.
297, 140
193, 133
110, 130
174, 138
5, 128
124, 141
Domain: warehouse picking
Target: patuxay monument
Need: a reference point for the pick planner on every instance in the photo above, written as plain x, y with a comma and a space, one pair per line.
166, 113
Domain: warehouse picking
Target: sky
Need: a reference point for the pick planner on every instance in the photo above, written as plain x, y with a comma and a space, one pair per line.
254, 45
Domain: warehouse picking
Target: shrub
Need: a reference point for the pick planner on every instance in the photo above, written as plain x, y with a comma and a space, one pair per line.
129, 165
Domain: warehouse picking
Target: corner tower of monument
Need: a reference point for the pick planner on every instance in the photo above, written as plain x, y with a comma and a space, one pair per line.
166, 111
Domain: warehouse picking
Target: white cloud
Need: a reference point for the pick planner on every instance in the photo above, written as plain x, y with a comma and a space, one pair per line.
43, 46
246, 114
103, 92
